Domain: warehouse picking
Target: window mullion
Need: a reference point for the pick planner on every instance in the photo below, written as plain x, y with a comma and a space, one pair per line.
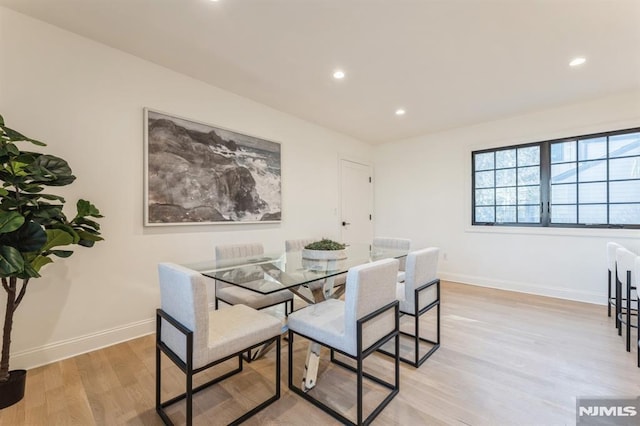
545, 183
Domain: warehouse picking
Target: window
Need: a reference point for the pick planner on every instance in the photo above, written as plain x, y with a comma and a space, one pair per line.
591, 180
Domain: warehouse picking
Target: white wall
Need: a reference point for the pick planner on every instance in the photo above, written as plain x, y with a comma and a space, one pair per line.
85, 100
423, 193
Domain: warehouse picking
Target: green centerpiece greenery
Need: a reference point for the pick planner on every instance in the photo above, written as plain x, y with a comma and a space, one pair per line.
325, 244
33, 227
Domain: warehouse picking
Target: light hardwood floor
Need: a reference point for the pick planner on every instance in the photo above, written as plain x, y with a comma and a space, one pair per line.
506, 359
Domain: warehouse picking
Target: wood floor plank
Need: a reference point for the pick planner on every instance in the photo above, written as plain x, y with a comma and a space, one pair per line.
506, 358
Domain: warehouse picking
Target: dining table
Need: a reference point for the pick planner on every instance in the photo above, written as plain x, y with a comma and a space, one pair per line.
313, 280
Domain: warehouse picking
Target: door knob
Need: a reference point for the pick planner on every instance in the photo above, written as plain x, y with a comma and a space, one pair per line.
345, 223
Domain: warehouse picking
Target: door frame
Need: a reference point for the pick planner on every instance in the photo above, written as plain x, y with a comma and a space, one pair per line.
362, 162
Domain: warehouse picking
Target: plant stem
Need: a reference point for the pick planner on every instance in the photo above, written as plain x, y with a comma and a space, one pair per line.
8, 324
23, 290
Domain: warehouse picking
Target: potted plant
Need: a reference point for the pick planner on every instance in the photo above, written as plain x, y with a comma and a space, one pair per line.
324, 249
32, 230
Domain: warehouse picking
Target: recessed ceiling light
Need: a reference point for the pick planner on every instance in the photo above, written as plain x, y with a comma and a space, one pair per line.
338, 74
577, 61
400, 111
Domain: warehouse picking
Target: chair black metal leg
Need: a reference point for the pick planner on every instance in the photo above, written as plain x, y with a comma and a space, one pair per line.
618, 305
628, 324
189, 386
438, 315
278, 367
397, 357
417, 338
609, 294
290, 361
359, 388
158, 379
438, 325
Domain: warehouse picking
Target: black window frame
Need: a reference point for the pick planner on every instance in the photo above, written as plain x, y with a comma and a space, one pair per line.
545, 183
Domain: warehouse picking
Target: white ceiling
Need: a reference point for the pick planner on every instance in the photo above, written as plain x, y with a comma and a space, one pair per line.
449, 63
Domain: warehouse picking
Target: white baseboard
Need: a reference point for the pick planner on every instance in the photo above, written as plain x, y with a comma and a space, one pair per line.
557, 292
57, 351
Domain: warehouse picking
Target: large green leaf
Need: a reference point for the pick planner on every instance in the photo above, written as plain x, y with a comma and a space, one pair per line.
11, 261
62, 253
1, 121
61, 180
31, 237
18, 168
57, 237
88, 235
9, 203
39, 262
8, 149
87, 223
54, 170
46, 211
31, 187
10, 221
28, 272
16, 136
85, 208
52, 197
68, 229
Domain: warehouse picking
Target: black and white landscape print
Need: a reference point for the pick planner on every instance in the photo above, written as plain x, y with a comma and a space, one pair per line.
202, 174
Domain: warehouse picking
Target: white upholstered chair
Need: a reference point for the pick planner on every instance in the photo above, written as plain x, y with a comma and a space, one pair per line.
356, 328
612, 277
418, 294
394, 243
234, 295
625, 286
196, 339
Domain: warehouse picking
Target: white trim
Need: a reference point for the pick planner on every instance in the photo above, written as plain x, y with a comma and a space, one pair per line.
63, 349
608, 233
528, 288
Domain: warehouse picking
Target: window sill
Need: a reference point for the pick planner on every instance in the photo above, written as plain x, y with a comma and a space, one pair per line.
552, 231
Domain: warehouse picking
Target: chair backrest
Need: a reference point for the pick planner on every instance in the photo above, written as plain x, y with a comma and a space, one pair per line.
393, 243
625, 261
183, 295
231, 251
611, 256
422, 267
295, 245
370, 287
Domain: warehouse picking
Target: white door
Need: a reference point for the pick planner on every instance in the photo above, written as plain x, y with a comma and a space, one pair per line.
356, 203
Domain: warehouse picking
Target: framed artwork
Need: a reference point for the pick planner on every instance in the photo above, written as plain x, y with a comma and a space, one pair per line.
196, 173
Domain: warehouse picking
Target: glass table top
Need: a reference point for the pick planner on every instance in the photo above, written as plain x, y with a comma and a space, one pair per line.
272, 272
